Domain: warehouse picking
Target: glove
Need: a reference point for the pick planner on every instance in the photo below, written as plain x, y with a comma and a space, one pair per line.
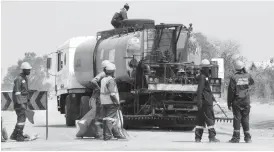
229, 108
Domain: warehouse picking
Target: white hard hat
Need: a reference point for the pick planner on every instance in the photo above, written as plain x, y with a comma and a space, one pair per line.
205, 63
110, 67
105, 63
239, 65
25, 65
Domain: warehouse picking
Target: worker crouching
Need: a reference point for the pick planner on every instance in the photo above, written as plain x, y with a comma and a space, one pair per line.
238, 98
109, 97
205, 100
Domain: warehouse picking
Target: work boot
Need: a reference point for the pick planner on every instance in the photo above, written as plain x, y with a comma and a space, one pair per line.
107, 133
13, 135
117, 133
211, 135
235, 137
198, 134
106, 138
20, 137
247, 137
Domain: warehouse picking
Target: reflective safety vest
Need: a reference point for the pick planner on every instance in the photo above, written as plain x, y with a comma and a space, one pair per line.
242, 85
105, 93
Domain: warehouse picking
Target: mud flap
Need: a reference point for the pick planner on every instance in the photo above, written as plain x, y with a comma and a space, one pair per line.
84, 106
72, 109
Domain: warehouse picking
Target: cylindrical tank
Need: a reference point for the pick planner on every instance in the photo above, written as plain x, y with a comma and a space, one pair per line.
83, 62
115, 49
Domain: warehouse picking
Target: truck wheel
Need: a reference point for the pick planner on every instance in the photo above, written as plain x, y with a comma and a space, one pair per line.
138, 22
69, 115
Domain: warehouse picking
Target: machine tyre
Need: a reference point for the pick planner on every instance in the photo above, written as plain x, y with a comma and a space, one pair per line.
69, 116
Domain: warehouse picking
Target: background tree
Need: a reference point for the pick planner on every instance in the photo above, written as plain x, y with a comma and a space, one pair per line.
38, 73
208, 49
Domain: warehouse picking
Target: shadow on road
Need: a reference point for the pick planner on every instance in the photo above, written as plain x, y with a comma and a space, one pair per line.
157, 130
186, 141
55, 126
263, 124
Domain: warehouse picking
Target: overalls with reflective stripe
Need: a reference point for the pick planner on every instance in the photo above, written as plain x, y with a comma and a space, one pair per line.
20, 97
109, 108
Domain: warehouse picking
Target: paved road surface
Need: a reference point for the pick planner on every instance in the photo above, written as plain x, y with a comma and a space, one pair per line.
63, 138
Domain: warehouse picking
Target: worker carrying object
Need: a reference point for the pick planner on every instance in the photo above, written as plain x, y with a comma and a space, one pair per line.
96, 97
109, 98
205, 100
118, 17
238, 98
91, 124
20, 97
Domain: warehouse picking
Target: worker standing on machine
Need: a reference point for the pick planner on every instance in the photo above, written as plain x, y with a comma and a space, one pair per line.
118, 17
20, 97
238, 98
205, 100
109, 97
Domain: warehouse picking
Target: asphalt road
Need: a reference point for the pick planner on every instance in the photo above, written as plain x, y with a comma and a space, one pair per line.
63, 138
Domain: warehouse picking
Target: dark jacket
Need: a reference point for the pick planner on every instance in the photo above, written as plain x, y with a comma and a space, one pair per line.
20, 89
238, 89
204, 94
122, 15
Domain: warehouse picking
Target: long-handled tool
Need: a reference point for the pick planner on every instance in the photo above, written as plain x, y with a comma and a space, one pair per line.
123, 131
226, 119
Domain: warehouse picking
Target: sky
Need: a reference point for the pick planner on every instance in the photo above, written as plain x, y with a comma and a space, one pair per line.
41, 27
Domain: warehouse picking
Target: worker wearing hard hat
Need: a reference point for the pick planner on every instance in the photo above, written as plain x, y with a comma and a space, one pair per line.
238, 98
96, 80
118, 17
20, 97
109, 98
205, 100
95, 98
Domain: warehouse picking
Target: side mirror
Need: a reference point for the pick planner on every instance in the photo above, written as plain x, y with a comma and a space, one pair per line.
49, 63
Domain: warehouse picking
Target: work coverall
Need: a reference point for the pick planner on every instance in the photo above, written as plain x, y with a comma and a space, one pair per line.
238, 98
118, 17
99, 112
109, 87
96, 98
205, 115
20, 97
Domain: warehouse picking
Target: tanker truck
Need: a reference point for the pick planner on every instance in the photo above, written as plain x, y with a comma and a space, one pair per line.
157, 66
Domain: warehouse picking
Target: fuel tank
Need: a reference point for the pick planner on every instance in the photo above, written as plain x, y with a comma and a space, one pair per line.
83, 62
118, 49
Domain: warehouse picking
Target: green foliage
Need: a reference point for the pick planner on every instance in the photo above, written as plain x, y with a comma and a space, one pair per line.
264, 83
229, 51
37, 76
207, 48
